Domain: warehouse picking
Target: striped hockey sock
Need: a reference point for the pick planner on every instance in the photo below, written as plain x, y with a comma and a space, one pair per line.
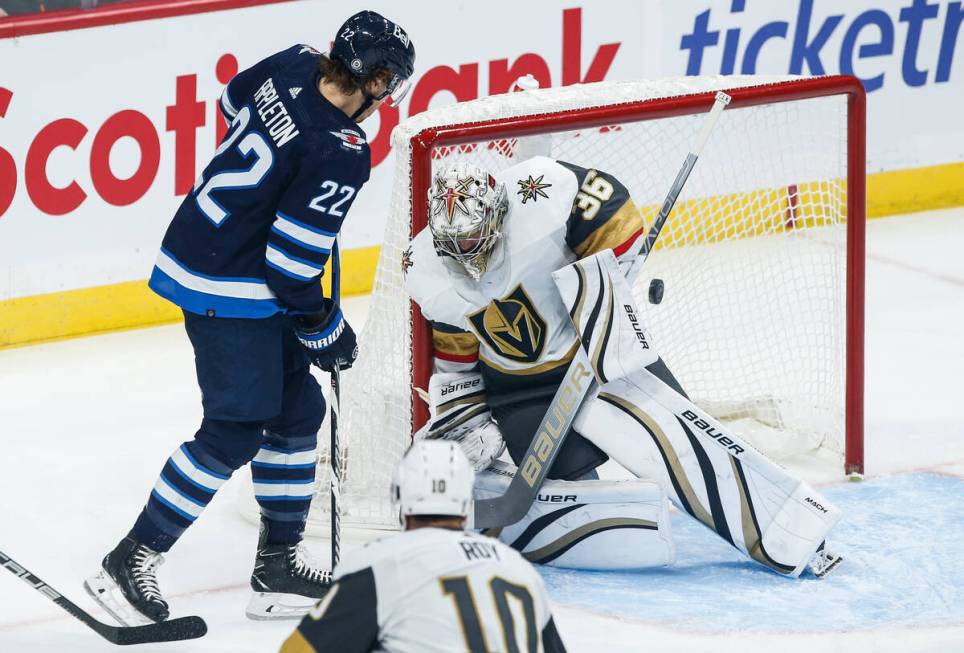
284, 475
186, 485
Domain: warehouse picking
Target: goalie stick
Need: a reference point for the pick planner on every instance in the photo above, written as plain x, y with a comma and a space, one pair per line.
163, 631
579, 379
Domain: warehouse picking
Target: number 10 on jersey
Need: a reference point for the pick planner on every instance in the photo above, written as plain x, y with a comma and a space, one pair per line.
469, 617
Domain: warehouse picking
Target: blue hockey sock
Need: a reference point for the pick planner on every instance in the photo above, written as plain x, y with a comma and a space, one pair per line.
187, 483
284, 475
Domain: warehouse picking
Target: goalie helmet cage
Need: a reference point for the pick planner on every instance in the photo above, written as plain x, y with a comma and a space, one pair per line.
765, 248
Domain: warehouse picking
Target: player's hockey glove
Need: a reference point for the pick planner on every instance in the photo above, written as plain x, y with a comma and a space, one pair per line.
460, 414
328, 338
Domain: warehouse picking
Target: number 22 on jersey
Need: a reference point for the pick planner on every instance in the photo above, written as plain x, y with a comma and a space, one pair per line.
258, 156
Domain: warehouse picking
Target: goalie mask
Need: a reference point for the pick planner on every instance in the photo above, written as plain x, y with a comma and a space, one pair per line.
434, 478
466, 210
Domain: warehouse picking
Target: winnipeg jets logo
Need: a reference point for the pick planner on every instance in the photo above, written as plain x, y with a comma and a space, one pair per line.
532, 189
451, 199
350, 140
295, 90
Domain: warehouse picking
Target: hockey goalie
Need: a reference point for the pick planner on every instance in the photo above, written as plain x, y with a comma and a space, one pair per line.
516, 271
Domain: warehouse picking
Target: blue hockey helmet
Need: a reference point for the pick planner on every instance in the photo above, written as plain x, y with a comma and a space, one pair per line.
368, 41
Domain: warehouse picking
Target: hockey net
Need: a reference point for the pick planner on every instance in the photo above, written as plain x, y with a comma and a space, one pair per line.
762, 258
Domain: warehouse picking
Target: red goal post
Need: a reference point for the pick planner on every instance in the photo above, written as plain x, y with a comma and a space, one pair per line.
428, 140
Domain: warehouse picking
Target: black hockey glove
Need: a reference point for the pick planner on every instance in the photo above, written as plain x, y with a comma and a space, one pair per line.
328, 338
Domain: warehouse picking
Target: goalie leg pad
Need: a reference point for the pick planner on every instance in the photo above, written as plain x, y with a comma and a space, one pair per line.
600, 525
709, 471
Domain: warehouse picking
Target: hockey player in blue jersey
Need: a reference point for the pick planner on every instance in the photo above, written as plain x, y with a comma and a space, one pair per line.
243, 257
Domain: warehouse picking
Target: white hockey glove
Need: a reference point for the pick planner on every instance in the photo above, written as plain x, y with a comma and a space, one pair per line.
460, 414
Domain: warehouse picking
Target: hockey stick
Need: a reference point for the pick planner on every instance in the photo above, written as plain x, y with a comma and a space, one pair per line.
164, 631
334, 400
579, 380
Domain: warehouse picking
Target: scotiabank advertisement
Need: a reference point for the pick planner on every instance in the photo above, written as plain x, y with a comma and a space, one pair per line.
103, 130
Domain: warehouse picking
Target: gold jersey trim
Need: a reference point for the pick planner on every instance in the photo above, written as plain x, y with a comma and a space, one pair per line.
455, 344
297, 643
615, 231
541, 368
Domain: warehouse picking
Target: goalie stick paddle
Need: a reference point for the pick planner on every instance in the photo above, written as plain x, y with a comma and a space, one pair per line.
579, 379
164, 631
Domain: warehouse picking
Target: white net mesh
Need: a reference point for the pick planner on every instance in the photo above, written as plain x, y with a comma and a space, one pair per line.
753, 258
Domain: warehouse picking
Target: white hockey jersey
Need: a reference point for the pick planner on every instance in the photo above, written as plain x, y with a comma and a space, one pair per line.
431, 590
512, 320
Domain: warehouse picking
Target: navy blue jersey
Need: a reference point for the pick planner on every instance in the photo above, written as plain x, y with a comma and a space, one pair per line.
253, 236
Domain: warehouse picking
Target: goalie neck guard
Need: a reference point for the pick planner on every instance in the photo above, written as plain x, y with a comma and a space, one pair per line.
434, 478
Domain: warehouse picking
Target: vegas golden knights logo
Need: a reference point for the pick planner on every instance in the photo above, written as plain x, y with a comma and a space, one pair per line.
512, 326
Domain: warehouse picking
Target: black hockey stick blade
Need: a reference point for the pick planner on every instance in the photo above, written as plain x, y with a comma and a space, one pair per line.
165, 631
174, 630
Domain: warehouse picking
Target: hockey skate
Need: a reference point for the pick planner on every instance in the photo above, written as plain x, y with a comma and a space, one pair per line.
286, 584
126, 585
823, 561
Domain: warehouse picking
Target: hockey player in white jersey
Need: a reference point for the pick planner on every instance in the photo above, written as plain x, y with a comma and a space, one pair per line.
513, 282
435, 587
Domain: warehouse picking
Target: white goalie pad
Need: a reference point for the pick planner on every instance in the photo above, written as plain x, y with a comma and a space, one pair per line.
709, 471
804, 517
601, 307
601, 525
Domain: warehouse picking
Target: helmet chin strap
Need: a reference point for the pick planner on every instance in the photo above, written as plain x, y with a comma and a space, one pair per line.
369, 100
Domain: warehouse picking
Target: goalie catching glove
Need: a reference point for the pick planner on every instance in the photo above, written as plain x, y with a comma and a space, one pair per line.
461, 415
327, 338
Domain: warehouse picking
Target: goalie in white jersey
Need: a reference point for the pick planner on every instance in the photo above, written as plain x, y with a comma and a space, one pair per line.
513, 283
434, 587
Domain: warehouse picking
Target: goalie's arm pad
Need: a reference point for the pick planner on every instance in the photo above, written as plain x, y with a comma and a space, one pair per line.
459, 413
454, 350
603, 214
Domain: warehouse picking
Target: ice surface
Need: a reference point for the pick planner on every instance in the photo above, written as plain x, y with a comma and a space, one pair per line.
902, 566
86, 425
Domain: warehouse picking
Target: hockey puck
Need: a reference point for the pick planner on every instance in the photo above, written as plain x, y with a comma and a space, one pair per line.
656, 291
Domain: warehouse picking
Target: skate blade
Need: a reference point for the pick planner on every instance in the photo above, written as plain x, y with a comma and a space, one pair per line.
271, 606
109, 596
827, 567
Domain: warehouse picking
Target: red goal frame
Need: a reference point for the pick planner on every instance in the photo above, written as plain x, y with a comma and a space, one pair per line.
427, 140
